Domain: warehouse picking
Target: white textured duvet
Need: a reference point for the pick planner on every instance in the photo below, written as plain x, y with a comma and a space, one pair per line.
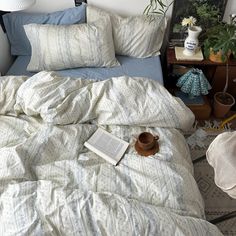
50, 184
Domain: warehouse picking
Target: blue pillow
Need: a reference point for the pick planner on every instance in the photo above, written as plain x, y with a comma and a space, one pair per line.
14, 22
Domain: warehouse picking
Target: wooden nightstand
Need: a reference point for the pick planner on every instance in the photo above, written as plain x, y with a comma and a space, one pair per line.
215, 72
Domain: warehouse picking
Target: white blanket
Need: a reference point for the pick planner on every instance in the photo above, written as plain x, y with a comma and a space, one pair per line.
50, 184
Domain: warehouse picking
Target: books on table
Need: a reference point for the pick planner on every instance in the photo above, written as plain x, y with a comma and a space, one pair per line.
107, 146
198, 56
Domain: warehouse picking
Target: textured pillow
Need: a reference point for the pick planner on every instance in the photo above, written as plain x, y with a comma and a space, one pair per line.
14, 23
62, 47
136, 36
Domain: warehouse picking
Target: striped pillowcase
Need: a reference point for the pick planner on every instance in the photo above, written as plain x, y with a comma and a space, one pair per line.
135, 36
56, 47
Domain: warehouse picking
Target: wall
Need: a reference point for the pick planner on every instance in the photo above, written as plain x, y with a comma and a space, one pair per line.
5, 58
50, 6
130, 7
230, 9
123, 7
135, 7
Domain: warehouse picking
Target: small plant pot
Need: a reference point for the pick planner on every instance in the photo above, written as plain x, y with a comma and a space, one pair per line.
217, 56
222, 104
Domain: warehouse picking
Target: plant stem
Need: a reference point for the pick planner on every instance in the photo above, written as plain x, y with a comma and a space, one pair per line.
227, 77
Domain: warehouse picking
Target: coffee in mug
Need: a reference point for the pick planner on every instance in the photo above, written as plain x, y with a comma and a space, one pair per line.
147, 141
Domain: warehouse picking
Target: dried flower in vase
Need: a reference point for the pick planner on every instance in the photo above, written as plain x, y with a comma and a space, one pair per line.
190, 21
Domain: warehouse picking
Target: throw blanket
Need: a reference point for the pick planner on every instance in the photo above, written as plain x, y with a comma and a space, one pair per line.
50, 184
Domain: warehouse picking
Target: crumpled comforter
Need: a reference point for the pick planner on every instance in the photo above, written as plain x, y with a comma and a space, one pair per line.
50, 184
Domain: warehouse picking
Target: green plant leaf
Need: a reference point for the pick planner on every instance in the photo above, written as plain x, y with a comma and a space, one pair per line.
157, 7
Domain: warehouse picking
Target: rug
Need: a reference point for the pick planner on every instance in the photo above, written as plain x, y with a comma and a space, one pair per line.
217, 202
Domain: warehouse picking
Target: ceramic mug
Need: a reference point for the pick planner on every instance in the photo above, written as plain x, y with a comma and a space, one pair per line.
147, 141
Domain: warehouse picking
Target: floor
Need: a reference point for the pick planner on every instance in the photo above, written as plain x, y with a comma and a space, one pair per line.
217, 202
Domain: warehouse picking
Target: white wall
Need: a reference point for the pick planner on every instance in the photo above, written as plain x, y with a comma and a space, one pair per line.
123, 7
230, 9
51, 6
135, 7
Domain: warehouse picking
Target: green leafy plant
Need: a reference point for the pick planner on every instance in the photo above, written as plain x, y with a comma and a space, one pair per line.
207, 14
159, 7
221, 37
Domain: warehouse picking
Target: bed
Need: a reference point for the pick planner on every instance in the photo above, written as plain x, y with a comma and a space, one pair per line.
50, 184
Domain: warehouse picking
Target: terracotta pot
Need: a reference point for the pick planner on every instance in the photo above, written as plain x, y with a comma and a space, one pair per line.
217, 57
221, 109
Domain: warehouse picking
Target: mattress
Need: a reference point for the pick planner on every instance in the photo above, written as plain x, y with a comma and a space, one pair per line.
141, 67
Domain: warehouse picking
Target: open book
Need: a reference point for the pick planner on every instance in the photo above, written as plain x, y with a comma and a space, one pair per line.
107, 146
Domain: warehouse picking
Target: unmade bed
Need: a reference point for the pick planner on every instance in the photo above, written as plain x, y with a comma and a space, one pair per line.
52, 185
67, 81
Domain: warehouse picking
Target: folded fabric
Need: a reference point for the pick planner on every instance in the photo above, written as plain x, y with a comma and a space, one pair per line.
56, 47
15, 21
135, 36
221, 155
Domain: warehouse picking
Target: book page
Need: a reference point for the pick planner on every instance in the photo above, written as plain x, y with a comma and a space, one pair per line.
108, 144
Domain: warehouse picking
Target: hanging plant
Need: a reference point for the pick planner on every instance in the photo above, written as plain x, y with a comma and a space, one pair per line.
159, 7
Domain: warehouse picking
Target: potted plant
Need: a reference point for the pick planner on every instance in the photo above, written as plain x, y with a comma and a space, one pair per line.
219, 45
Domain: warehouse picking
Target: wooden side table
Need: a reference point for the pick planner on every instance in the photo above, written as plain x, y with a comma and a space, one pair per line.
215, 72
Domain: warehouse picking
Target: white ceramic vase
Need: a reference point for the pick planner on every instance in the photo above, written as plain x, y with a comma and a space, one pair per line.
191, 42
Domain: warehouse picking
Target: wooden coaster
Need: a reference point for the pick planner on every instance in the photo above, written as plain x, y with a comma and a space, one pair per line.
146, 153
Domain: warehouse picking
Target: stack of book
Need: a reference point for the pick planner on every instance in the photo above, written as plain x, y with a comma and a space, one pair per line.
180, 56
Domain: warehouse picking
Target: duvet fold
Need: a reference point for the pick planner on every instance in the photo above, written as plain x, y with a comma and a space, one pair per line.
116, 101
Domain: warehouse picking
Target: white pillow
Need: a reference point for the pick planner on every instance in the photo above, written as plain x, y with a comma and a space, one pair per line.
56, 47
135, 36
